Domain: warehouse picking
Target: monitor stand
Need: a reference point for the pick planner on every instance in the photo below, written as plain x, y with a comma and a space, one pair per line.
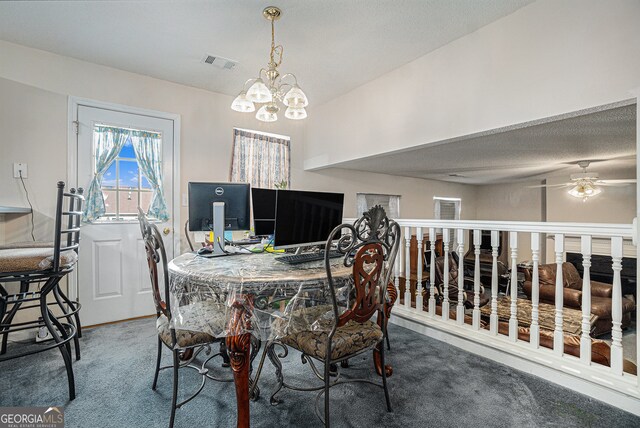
218, 230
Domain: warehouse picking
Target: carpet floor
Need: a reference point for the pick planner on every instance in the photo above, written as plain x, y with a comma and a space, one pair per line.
434, 385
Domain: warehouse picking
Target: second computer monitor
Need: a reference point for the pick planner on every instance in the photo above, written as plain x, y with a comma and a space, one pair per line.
264, 211
306, 218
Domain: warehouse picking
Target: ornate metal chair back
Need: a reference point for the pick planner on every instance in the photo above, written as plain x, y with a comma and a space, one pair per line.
370, 246
156, 256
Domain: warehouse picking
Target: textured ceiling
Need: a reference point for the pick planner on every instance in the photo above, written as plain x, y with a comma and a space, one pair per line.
332, 46
537, 150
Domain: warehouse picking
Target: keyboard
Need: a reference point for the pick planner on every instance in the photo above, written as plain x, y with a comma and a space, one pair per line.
294, 259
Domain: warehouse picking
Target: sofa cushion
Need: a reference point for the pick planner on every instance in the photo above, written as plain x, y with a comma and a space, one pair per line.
601, 306
570, 276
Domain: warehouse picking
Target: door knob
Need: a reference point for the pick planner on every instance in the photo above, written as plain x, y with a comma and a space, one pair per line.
166, 230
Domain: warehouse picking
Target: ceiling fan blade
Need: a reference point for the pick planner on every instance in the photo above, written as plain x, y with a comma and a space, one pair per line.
551, 185
616, 182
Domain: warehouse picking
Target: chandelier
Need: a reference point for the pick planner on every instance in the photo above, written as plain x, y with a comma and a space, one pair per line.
273, 88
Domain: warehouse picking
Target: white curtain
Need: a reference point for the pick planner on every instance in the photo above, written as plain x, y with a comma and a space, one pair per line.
259, 159
390, 203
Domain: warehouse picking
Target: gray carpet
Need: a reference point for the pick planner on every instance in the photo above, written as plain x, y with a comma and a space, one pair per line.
434, 385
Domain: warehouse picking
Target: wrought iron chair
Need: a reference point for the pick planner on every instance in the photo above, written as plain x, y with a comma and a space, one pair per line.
188, 340
45, 265
369, 246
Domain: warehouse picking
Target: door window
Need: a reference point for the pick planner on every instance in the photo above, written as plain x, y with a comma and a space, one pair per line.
124, 185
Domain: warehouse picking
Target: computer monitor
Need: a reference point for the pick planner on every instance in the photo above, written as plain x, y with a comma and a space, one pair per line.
236, 205
306, 218
264, 211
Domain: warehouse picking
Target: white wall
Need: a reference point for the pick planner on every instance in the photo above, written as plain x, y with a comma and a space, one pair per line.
545, 59
34, 86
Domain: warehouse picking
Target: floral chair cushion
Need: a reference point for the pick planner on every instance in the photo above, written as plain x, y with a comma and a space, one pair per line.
196, 324
349, 339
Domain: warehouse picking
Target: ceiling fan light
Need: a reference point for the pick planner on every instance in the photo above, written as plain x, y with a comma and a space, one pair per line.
266, 115
242, 104
259, 93
295, 98
295, 113
584, 190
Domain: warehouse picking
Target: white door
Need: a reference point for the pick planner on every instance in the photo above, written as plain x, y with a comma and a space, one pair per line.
113, 277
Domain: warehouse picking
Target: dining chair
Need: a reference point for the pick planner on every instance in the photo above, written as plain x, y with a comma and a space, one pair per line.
45, 266
196, 329
342, 329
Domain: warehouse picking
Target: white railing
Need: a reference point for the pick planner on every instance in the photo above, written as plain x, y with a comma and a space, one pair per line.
471, 323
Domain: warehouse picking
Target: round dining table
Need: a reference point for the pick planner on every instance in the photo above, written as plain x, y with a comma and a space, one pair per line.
256, 289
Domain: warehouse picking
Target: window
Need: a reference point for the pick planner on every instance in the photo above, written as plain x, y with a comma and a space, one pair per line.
390, 203
447, 209
124, 187
260, 159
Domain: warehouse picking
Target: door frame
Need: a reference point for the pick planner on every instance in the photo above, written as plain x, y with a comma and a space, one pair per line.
72, 161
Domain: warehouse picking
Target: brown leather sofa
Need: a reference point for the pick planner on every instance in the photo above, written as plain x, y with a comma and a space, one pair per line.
601, 295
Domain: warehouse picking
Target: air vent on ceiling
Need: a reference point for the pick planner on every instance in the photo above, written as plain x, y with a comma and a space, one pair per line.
219, 62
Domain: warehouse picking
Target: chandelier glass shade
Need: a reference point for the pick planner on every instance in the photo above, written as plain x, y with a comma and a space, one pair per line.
270, 88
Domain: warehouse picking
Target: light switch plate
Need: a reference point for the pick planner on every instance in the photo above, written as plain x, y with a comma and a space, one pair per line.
20, 167
185, 201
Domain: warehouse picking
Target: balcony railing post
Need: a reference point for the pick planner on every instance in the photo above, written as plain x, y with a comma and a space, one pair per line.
460, 251
476, 279
396, 269
513, 287
558, 335
585, 339
407, 267
419, 260
493, 327
445, 285
616, 306
534, 336
432, 272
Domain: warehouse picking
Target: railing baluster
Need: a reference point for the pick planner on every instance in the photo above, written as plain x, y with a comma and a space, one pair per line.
513, 318
585, 339
558, 336
407, 267
493, 327
397, 269
460, 251
476, 279
432, 272
420, 261
445, 285
616, 306
534, 336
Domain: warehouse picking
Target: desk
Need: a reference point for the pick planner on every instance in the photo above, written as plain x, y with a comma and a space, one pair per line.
10, 210
254, 288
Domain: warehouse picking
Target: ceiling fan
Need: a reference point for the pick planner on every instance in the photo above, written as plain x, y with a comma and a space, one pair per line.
586, 184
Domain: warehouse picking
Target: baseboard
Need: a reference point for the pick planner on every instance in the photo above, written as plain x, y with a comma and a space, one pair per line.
630, 403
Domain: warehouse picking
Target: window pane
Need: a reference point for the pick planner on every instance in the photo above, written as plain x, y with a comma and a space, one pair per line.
145, 200
128, 178
145, 183
128, 202
127, 150
109, 201
109, 178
